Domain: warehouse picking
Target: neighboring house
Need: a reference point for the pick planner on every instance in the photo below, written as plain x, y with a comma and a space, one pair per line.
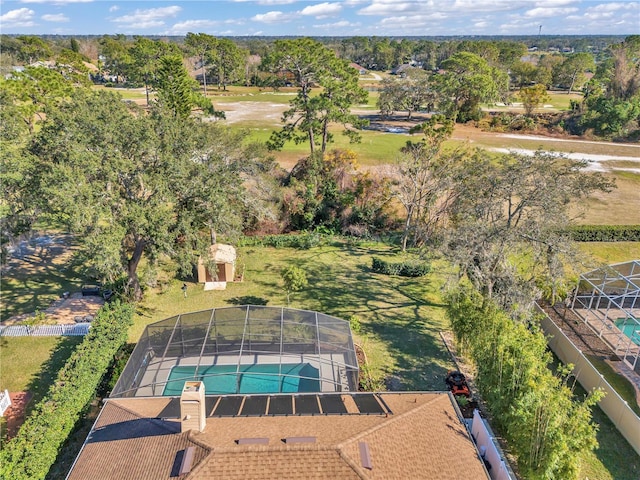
256, 392
401, 70
361, 70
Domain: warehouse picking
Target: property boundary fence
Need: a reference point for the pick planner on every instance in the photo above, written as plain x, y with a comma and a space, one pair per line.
74, 330
5, 402
487, 446
617, 409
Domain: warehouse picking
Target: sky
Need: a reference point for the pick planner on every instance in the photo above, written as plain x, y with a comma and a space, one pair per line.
321, 18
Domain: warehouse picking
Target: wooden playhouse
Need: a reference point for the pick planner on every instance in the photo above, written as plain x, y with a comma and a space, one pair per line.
219, 268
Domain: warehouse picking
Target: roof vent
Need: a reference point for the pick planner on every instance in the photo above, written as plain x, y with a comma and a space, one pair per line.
187, 460
252, 441
300, 440
365, 455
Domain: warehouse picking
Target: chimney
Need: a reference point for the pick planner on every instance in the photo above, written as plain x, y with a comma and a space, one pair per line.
192, 407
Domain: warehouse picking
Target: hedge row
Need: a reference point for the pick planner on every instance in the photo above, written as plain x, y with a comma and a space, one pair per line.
33, 451
533, 408
405, 268
302, 241
605, 233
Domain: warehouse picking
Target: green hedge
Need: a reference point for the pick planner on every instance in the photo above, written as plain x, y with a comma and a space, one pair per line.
605, 233
404, 268
532, 407
31, 453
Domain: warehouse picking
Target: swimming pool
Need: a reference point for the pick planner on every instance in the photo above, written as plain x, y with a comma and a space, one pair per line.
630, 328
255, 378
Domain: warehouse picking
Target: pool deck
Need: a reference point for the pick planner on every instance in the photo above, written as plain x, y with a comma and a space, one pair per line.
330, 367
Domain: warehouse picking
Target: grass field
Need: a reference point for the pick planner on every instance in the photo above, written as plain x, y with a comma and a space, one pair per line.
45, 271
259, 111
400, 317
608, 253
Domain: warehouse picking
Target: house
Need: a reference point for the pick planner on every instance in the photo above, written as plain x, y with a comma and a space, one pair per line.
360, 69
412, 435
219, 268
257, 392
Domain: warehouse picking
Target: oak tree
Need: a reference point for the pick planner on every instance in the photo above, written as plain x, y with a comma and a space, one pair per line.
133, 185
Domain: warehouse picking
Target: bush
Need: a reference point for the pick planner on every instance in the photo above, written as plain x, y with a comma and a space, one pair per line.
605, 233
354, 324
405, 268
31, 453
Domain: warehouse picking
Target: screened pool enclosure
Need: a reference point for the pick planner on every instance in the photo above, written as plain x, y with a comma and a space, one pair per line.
245, 349
608, 300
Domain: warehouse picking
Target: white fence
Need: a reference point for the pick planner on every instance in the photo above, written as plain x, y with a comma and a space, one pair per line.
76, 329
5, 402
617, 409
486, 443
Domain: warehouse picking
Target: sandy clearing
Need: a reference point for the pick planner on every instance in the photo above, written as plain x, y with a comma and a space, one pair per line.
566, 140
595, 161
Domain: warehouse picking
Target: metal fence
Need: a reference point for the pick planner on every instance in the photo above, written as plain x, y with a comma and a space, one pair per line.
617, 409
74, 330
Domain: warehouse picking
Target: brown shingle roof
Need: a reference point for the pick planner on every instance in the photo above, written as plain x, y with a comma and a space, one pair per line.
125, 445
423, 438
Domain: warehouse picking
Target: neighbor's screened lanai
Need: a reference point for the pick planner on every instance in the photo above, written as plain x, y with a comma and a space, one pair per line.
608, 300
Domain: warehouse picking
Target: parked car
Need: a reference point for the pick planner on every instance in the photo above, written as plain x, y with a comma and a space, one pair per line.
91, 290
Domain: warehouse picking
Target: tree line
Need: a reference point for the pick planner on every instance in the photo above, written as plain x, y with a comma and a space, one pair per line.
452, 75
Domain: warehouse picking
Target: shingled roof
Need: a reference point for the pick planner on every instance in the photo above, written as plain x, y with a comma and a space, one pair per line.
422, 438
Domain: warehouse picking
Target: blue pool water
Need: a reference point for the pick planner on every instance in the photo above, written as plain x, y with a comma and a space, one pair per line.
263, 378
630, 328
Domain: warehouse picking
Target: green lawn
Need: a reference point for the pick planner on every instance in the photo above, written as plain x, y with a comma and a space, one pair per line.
400, 317
614, 459
622, 386
607, 253
32, 363
44, 273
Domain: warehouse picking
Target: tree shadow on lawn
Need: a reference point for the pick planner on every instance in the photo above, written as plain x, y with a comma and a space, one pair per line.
45, 276
41, 382
395, 314
247, 300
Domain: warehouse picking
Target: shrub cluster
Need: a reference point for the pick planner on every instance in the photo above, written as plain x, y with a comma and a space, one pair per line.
405, 268
605, 233
31, 453
533, 408
302, 241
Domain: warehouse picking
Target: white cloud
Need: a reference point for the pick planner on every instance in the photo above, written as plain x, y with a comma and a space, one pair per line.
192, 26
268, 2
340, 24
56, 2
387, 7
148, 18
322, 10
59, 17
546, 12
276, 2
390, 8
114, 8
608, 10
21, 17
272, 17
